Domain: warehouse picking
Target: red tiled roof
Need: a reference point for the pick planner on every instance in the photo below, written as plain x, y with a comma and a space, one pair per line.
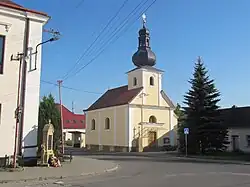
11, 4
72, 120
115, 97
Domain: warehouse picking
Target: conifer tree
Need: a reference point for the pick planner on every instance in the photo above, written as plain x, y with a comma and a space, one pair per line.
201, 114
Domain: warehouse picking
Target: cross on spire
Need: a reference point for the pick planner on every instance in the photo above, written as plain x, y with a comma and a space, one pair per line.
144, 20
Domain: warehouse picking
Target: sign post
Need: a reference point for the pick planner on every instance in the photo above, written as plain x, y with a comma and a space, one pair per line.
186, 132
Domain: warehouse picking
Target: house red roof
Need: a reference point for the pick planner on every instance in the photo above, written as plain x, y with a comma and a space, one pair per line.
72, 120
115, 97
11, 4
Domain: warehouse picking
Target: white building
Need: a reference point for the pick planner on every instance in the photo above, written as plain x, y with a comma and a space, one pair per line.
20, 29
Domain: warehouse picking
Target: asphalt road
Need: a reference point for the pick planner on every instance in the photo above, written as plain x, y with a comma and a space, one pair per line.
141, 171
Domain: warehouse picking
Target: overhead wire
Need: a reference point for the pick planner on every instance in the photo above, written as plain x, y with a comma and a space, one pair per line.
122, 24
76, 7
70, 88
110, 43
112, 33
80, 3
98, 36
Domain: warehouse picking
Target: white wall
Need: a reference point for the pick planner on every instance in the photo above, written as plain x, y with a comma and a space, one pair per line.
242, 133
8, 81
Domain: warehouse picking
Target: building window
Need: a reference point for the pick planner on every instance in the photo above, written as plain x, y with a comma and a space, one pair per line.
152, 119
151, 80
135, 81
248, 140
82, 121
93, 124
2, 43
67, 121
74, 121
107, 123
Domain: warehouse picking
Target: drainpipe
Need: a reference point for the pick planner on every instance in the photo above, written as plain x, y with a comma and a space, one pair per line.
23, 83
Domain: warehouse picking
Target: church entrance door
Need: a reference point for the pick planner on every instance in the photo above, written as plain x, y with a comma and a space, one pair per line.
152, 139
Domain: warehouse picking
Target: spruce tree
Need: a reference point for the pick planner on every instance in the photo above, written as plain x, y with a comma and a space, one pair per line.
48, 111
201, 114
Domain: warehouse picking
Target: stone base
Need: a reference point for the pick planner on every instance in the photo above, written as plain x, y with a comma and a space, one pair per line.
107, 148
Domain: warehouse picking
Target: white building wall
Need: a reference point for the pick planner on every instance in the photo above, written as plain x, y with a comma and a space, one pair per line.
32, 92
9, 80
242, 133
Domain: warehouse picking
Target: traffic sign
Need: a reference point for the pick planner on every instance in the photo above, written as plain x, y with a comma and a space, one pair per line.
186, 130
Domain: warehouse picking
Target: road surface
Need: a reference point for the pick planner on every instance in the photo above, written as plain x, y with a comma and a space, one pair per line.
141, 171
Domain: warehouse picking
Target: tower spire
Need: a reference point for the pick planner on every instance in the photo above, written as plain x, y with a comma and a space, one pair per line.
144, 55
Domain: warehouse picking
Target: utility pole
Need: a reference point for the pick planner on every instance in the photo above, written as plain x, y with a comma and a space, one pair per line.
18, 109
60, 98
72, 106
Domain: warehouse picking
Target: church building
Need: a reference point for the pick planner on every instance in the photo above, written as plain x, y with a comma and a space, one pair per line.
138, 116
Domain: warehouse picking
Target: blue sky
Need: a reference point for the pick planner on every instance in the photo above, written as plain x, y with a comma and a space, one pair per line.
181, 30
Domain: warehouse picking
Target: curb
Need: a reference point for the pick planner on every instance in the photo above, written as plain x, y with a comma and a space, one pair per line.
214, 160
61, 177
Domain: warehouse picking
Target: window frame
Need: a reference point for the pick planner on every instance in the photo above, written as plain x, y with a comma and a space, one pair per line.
3, 53
151, 81
93, 124
154, 119
107, 124
134, 81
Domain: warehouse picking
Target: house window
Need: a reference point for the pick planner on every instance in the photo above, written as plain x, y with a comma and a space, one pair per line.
152, 119
2, 43
82, 121
135, 81
107, 123
151, 80
248, 140
74, 121
93, 124
67, 121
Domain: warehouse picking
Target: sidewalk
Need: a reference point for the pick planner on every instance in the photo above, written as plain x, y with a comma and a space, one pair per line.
79, 166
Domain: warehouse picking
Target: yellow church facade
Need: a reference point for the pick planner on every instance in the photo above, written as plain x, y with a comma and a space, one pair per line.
135, 117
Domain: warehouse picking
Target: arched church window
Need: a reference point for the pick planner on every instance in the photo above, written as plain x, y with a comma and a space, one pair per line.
151, 80
107, 123
152, 119
135, 81
93, 124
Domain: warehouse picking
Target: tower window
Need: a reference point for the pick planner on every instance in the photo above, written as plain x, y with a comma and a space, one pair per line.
93, 124
107, 123
135, 81
151, 80
152, 119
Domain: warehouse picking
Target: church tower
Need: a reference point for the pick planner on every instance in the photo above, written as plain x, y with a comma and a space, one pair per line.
145, 75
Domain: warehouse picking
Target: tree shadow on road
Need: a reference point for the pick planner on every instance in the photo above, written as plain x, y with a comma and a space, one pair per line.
156, 159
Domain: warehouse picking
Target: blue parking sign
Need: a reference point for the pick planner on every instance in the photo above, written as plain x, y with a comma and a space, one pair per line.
186, 130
